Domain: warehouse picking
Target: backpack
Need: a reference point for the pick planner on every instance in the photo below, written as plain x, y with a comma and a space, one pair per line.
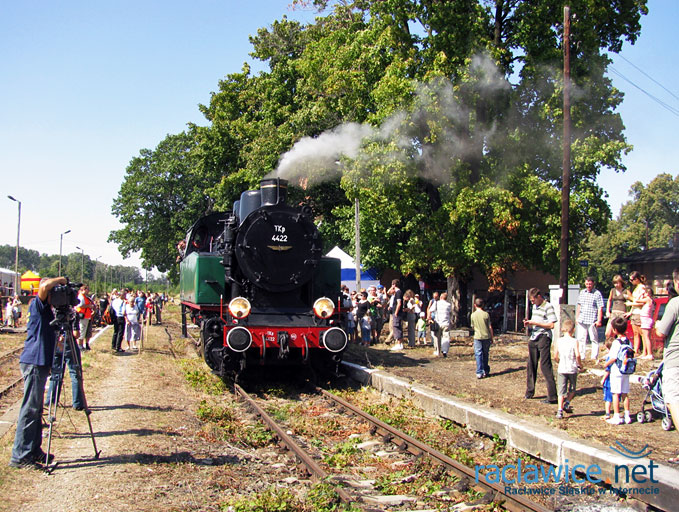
106, 317
625, 360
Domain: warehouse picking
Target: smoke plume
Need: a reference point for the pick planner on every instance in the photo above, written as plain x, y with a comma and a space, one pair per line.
430, 138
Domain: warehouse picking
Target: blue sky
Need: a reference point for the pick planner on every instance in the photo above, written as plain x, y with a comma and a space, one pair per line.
84, 85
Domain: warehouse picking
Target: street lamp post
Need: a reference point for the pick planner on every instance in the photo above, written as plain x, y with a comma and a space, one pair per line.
82, 264
16, 254
96, 275
61, 244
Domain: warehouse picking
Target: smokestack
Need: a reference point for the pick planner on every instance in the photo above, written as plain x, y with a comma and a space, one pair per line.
274, 191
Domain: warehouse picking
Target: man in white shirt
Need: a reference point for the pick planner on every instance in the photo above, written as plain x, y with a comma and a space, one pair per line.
440, 314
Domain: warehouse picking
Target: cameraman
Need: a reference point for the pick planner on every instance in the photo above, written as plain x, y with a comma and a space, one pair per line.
35, 362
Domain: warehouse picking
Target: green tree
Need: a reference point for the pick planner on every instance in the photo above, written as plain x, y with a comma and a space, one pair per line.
28, 258
648, 221
161, 196
463, 166
506, 124
651, 218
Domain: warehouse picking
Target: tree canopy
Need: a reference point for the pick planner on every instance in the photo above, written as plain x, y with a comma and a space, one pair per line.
455, 108
648, 220
73, 266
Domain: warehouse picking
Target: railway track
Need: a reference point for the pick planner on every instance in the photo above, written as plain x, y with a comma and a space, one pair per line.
10, 377
8, 388
400, 443
8, 355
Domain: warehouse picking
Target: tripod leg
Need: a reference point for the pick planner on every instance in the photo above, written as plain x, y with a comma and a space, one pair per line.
75, 355
55, 385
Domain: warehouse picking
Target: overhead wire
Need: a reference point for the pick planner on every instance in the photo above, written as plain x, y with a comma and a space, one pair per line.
667, 107
648, 76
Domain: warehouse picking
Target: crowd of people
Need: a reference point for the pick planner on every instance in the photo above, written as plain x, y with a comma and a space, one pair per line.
620, 357
409, 317
127, 311
11, 311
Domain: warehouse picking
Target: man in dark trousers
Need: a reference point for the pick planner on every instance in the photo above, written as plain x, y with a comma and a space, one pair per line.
118, 306
35, 362
542, 320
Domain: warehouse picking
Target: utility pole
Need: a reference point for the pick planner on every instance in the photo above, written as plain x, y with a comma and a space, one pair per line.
357, 230
96, 276
566, 180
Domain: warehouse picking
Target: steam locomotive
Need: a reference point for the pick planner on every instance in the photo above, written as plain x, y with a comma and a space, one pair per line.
256, 283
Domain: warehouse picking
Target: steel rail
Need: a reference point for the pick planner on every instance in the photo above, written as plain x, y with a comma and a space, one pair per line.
9, 354
416, 447
7, 389
314, 469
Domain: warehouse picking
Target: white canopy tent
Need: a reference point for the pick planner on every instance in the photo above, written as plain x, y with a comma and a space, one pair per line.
348, 265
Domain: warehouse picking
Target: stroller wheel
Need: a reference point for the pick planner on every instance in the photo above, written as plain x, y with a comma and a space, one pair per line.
667, 423
640, 417
648, 416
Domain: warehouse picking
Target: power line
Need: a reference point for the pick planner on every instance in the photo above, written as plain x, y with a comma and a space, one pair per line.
667, 107
648, 76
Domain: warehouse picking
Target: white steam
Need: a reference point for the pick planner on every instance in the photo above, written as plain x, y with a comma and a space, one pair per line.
430, 138
316, 158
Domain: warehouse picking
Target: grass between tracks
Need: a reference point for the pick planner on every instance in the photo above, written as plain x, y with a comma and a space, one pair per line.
223, 420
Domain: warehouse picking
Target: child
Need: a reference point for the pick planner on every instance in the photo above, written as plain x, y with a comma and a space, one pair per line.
351, 325
619, 381
366, 329
606, 381
568, 356
421, 329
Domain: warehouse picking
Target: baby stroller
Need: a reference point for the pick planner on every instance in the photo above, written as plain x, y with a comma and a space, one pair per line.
654, 397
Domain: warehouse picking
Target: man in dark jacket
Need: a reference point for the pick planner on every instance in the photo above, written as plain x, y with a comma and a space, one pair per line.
35, 362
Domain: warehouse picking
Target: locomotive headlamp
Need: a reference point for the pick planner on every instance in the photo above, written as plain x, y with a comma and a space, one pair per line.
324, 307
239, 307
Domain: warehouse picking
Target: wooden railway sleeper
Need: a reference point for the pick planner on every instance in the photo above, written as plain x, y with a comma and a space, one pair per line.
316, 472
510, 502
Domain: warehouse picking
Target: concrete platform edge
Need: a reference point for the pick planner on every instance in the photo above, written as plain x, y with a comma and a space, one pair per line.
545, 443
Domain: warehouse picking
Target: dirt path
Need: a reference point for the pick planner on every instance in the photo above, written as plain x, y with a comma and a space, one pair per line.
144, 426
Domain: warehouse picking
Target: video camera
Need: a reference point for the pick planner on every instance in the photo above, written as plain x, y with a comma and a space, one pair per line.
64, 295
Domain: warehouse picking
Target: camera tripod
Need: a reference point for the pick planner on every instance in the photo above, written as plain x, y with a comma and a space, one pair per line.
65, 345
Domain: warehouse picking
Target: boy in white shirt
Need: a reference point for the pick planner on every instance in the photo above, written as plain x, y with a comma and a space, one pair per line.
567, 354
